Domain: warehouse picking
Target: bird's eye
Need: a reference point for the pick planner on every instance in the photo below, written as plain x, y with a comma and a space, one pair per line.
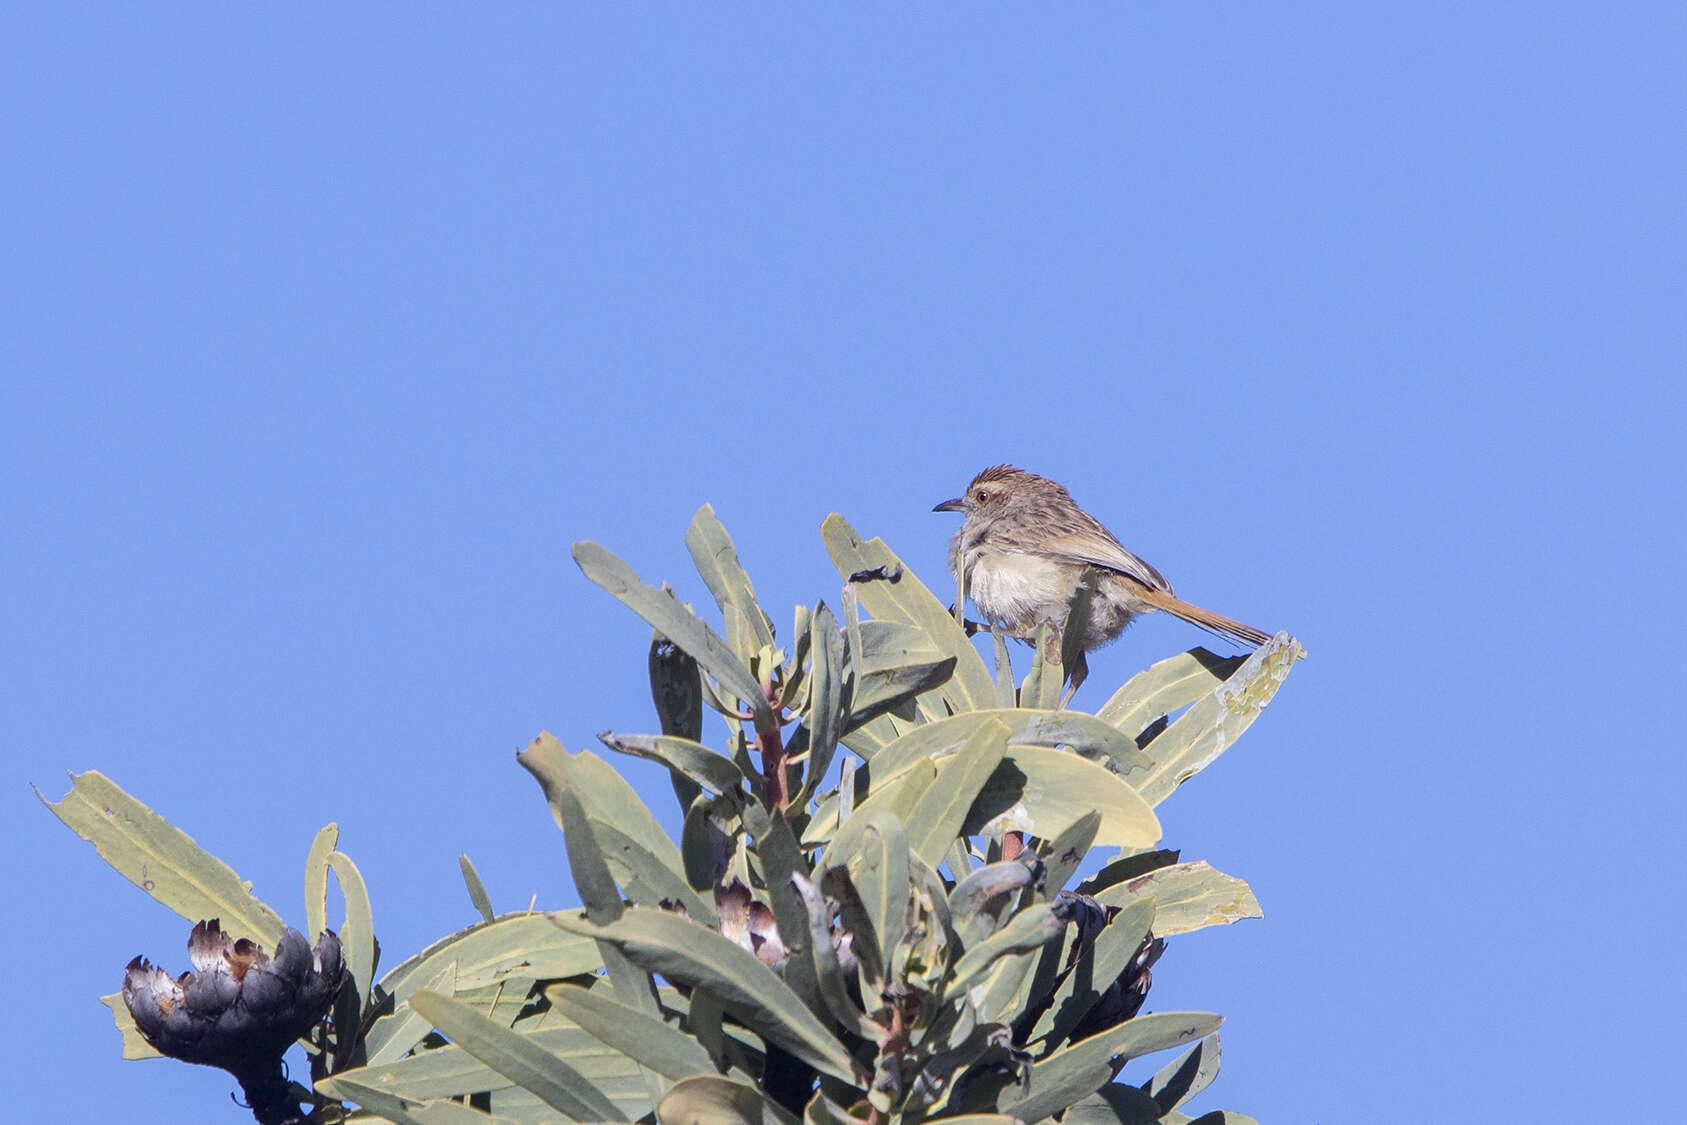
982, 496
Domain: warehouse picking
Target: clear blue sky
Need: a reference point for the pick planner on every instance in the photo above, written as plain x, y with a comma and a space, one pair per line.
328, 328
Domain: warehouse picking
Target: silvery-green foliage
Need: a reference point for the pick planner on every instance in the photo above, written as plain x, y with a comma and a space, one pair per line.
866, 916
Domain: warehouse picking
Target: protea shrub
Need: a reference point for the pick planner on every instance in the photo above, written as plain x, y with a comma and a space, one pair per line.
873, 913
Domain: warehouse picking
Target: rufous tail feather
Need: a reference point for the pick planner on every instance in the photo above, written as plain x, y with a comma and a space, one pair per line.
1204, 619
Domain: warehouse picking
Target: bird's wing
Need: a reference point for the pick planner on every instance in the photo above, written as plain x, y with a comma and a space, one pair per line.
1097, 548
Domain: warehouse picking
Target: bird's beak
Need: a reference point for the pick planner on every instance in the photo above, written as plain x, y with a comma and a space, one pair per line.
955, 505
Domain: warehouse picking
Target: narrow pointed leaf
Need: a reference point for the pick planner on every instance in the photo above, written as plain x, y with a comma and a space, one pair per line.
405, 1027
638, 853
898, 799
714, 772
1217, 719
828, 975
1006, 697
899, 596
1084, 1067
316, 879
517, 1058
776, 847
357, 935
1084, 735
1166, 687
514, 947
1186, 1075
1041, 688
162, 860
1063, 853
717, 561
452, 1071
663, 1048
973, 893
940, 812
477, 889
371, 1098
857, 921
676, 690
1030, 929
686, 953
455, 1113
886, 690
824, 718
1116, 1104
1096, 970
663, 611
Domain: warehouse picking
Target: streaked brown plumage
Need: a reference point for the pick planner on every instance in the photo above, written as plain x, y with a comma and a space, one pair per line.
1027, 545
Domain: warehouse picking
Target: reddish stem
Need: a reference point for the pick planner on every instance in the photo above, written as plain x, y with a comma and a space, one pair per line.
771, 745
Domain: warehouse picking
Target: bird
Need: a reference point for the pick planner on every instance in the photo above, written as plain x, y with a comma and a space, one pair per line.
1026, 546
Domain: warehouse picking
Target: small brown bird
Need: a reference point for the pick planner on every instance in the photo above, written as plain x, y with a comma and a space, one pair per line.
1026, 547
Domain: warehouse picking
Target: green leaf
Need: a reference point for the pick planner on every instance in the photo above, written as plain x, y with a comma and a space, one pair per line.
1029, 930
714, 772
1084, 1067
1165, 687
980, 901
163, 860
1115, 1105
400, 1031
837, 885
1039, 791
823, 720
898, 799
1082, 734
1005, 695
717, 561
1041, 688
883, 878
828, 974
663, 1048
1186, 1075
316, 880
1127, 867
1187, 897
477, 890
687, 953
1066, 850
938, 815
517, 1058
1077, 627
776, 847
665, 612
1096, 970
881, 691
357, 935
342, 1087
627, 837
676, 689
135, 1045
710, 1099
1217, 719
899, 596
511, 948
455, 1113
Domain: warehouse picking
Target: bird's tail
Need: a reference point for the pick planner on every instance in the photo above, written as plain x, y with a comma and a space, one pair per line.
1203, 619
